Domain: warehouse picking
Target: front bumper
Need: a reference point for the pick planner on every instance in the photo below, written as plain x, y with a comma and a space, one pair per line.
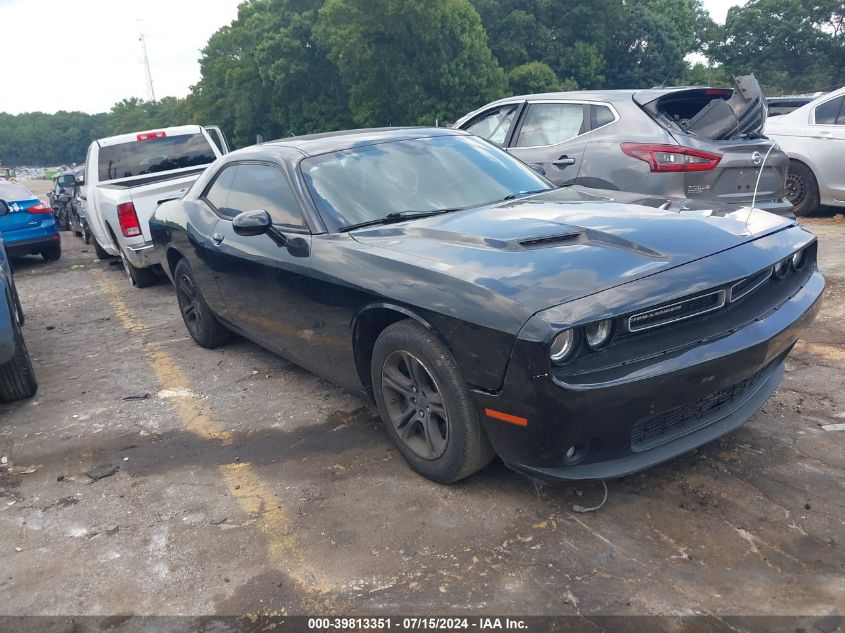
646, 414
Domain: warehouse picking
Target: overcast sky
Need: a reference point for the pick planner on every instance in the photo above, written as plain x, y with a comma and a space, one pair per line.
85, 54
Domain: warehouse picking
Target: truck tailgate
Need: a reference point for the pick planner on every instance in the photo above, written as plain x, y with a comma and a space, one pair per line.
146, 196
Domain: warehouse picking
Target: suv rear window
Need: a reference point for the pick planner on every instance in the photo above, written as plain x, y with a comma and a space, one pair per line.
137, 158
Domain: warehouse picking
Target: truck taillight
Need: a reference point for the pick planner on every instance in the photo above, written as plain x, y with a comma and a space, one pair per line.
41, 207
672, 157
129, 225
148, 136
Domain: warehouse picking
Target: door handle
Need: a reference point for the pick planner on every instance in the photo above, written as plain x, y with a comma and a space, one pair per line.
563, 161
825, 134
217, 238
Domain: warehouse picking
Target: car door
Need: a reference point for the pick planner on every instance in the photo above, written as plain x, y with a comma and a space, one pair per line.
826, 145
554, 135
264, 283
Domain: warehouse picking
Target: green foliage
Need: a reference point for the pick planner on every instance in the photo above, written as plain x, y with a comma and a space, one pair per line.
791, 45
418, 63
531, 78
290, 67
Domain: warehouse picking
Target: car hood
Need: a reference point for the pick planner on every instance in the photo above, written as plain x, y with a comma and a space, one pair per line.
554, 247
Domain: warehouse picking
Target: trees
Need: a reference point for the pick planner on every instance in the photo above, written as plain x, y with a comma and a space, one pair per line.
290, 67
791, 45
417, 63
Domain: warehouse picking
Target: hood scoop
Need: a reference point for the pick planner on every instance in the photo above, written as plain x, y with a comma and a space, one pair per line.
572, 237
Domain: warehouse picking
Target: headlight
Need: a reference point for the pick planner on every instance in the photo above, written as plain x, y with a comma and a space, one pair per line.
598, 334
782, 268
562, 346
799, 259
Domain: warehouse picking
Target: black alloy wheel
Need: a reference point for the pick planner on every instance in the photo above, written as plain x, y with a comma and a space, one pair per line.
415, 405
425, 404
201, 322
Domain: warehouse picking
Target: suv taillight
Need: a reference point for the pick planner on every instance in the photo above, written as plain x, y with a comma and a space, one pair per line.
41, 207
672, 157
129, 225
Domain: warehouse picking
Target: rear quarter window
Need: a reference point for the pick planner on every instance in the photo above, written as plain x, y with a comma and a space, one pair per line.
827, 113
137, 158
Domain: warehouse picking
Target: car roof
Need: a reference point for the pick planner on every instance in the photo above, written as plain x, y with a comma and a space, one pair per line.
313, 144
616, 95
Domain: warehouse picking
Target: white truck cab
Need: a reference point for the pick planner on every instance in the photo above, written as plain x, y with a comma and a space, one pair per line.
127, 176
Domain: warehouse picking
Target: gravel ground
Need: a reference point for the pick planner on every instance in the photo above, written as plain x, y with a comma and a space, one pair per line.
244, 484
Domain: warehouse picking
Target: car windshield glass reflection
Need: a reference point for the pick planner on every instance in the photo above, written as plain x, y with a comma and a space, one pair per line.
424, 175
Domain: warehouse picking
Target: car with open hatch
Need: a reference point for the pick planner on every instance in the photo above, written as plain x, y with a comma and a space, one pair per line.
692, 142
574, 332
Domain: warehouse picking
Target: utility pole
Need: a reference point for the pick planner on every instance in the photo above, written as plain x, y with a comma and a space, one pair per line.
150, 89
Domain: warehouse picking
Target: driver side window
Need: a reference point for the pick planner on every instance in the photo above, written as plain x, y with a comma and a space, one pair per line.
258, 186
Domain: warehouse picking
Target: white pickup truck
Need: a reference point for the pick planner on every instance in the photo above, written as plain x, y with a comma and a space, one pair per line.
127, 176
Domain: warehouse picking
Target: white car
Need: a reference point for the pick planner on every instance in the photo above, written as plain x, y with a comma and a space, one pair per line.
814, 138
127, 176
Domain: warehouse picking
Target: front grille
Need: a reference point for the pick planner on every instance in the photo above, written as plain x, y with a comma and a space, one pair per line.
750, 284
678, 311
664, 427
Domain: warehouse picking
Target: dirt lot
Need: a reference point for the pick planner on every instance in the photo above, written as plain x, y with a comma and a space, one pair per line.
248, 485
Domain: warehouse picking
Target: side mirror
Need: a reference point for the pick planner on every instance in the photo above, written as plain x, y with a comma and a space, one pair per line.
4, 208
538, 168
250, 223
80, 181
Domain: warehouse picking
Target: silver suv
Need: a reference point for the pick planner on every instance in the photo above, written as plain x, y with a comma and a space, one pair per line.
701, 143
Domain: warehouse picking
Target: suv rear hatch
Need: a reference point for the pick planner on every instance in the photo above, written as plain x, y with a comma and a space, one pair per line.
728, 125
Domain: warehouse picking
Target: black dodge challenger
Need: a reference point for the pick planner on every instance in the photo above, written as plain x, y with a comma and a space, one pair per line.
576, 333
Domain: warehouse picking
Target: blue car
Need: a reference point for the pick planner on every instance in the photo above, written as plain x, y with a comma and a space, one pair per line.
27, 224
17, 378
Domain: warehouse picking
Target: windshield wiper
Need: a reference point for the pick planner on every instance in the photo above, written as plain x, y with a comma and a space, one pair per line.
398, 216
520, 194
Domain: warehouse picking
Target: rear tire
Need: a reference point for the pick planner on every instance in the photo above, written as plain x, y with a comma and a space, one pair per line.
424, 402
17, 378
202, 323
802, 189
140, 277
100, 251
52, 253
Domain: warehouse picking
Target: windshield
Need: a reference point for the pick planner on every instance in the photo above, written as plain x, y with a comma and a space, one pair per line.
12, 191
153, 155
67, 181
428, 174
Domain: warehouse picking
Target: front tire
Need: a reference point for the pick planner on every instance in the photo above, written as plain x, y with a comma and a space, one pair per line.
52, 253
802, 189
202, 323
17, 378
425, 404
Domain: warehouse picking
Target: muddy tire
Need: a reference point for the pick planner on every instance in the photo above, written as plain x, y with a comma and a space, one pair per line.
802, 189
100, 251
425, 404
202, 323
139, 277
17, 378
